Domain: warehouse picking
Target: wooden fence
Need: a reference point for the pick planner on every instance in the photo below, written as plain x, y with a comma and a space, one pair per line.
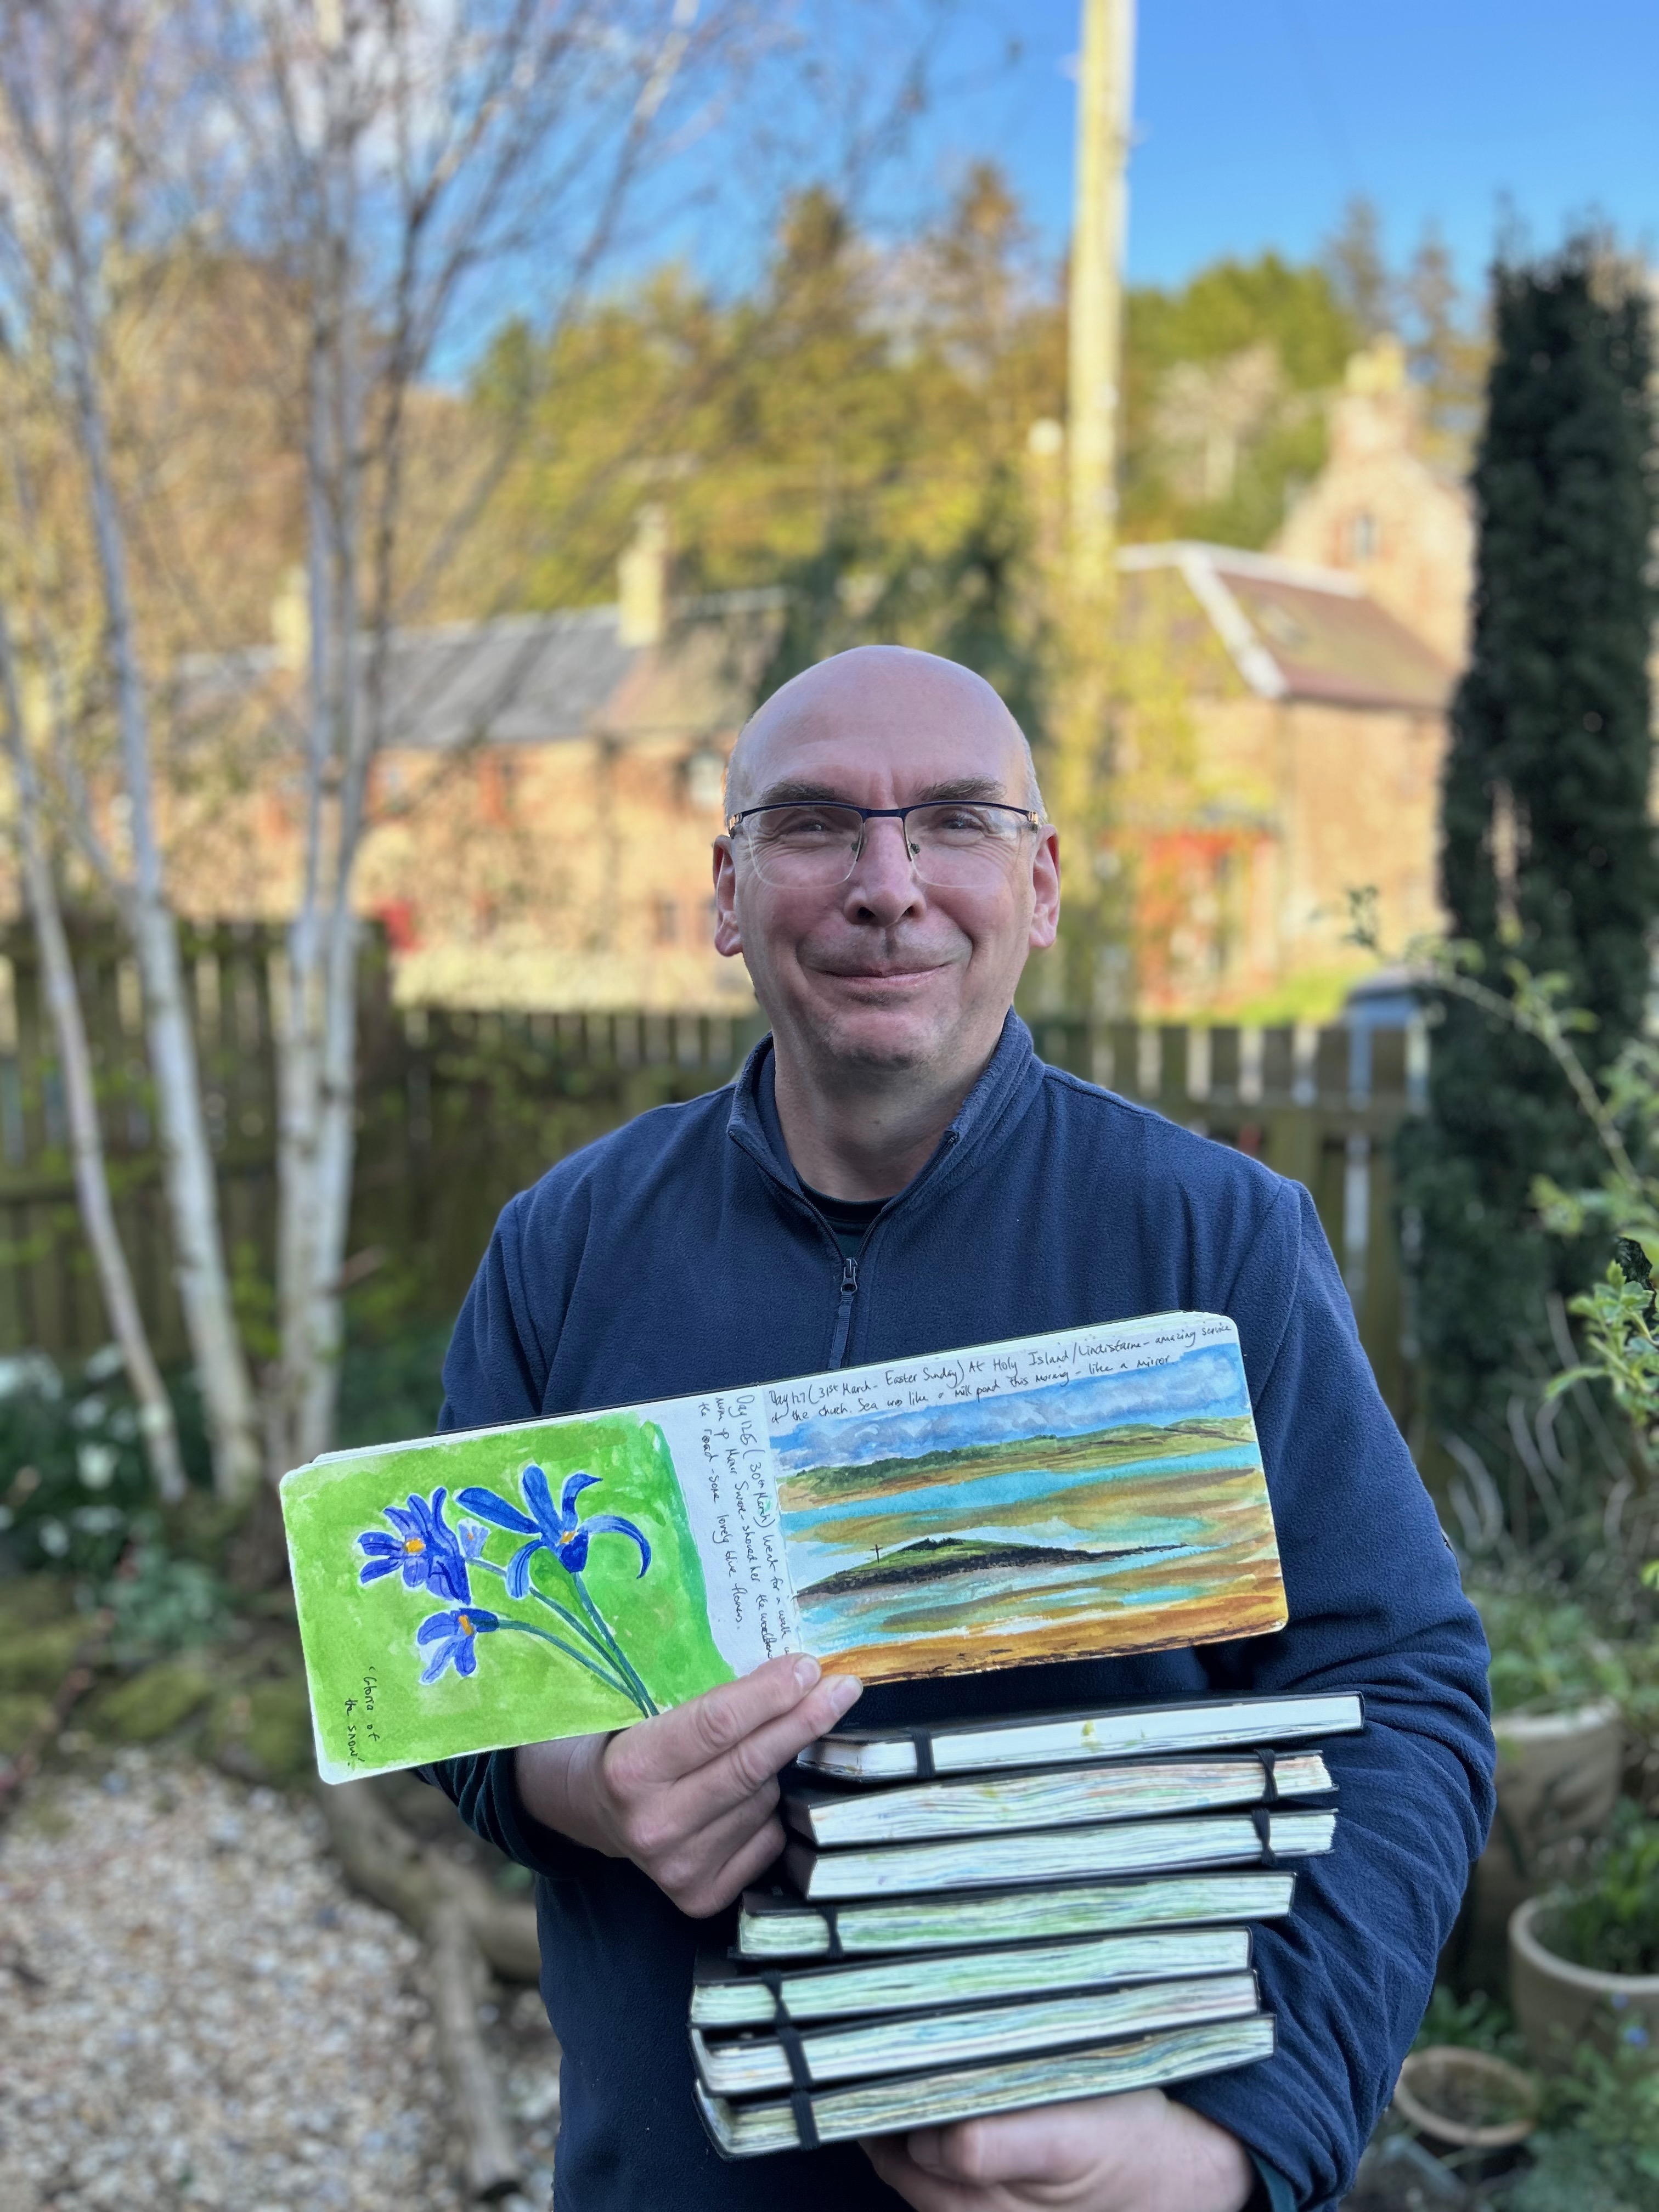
459, 1110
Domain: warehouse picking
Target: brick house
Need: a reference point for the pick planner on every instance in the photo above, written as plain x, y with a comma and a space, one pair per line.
1297, 759
540, 823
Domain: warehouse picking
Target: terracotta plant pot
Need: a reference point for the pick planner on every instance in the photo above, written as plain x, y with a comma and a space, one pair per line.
1440, 2091
1560, 2006
1558, 1783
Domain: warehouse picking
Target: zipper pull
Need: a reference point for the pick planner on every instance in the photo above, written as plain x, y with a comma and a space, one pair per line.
850, 1286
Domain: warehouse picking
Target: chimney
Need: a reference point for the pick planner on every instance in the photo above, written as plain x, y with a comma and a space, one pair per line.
642, 581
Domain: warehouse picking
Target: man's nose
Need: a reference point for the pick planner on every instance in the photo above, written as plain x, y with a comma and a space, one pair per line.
883, 883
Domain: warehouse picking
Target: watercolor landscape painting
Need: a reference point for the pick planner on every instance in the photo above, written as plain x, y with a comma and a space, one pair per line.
1108, 1513
495, 1588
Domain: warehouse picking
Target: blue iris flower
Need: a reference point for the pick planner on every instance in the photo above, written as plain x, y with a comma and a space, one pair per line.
429, 1554
551, 1527
455, 1635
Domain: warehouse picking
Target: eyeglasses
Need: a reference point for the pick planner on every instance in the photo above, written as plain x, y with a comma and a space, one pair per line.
953, 843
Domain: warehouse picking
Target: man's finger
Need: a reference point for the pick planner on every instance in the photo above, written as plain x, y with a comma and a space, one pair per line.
689, 1854
694, 1735
1056, 2143
743, 1867
927, 2192
770, 1748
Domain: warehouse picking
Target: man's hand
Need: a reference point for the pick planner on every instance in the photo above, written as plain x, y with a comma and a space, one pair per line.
691, 1797
1138, 2153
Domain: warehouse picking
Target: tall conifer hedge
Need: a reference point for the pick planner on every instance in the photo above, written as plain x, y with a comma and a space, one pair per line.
1548, 855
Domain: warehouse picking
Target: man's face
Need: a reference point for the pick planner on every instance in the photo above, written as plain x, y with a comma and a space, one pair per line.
883, 971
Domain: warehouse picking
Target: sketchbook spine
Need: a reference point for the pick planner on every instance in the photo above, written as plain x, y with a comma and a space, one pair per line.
808, 2119
830, 1923
806, 1865
1232, 1995
913, 1754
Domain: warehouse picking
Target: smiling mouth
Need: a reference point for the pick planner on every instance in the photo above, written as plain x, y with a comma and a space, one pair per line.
882, 975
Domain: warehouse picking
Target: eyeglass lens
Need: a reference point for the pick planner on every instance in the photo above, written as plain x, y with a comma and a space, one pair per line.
951, 844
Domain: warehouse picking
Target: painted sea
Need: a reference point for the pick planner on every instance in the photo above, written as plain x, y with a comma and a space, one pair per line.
1117, 1513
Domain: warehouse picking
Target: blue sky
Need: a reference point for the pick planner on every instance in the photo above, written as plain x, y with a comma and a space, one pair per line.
1257, 119
1255, 122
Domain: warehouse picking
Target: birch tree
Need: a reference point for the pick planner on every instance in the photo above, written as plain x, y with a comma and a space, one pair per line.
77, 89
157, 1424
403, 162
391, 164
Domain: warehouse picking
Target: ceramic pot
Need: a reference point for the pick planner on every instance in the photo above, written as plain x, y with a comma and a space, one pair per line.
1558, 1783
1438, 2088
1560, 2006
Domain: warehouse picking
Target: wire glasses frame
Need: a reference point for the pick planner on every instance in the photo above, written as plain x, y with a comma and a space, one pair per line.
816, 844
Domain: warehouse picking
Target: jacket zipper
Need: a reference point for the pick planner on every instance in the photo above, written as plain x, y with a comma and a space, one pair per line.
850, 1287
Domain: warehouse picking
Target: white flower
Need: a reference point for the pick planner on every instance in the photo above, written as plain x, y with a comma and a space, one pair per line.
95, 1465
29, 1371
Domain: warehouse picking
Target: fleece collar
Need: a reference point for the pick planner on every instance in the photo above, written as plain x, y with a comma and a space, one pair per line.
987, 1115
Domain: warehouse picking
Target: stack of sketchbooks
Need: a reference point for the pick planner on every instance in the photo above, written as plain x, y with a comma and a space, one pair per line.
1013, 1914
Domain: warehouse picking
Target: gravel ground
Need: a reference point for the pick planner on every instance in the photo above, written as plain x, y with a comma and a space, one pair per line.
196, 2011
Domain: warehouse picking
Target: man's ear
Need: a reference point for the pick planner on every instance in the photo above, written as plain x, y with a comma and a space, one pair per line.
1045, 887
728, 936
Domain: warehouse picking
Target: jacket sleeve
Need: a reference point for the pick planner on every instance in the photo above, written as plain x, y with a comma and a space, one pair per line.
1376, 1605
495, 1372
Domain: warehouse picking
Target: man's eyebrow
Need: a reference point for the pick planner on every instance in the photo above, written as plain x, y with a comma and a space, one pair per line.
962, 787
794, 790
785, 793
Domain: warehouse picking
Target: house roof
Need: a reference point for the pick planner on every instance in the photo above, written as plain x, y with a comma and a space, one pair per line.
1294, 631
538, 679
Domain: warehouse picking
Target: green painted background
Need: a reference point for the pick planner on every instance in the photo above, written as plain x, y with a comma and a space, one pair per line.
360, 1641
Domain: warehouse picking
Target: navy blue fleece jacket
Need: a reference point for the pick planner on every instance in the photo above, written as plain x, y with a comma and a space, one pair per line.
680, 1255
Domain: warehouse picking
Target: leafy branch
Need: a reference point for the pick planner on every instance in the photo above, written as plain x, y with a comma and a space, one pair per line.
1620, 1311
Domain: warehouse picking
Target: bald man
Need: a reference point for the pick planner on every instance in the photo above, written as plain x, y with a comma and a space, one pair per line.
896, 1173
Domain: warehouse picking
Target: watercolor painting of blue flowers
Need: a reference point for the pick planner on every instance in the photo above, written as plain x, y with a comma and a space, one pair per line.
505, 1587
441, 1561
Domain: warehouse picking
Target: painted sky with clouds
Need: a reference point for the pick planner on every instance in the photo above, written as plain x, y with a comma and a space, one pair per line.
1205, 1383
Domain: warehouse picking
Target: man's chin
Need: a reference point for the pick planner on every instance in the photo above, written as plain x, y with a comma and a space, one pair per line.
889, 1038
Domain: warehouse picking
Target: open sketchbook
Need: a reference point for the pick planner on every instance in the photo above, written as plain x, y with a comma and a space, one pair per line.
1070, 1496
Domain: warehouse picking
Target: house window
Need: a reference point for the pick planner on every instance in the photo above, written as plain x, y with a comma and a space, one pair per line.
1364, 537
705, 781
666, 917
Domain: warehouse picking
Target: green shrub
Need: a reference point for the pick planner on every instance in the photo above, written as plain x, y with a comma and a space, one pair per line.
162, 1603
1545, 1654
1610, 1920
72, 1469
1476, 2022
1599, 2151
152, 1703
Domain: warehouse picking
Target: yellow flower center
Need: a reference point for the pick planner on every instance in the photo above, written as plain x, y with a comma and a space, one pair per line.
465, 1624
414, 1543
568, 1537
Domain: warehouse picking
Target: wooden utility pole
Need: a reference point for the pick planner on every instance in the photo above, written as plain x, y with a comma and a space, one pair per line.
1105, 74
1094, 932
